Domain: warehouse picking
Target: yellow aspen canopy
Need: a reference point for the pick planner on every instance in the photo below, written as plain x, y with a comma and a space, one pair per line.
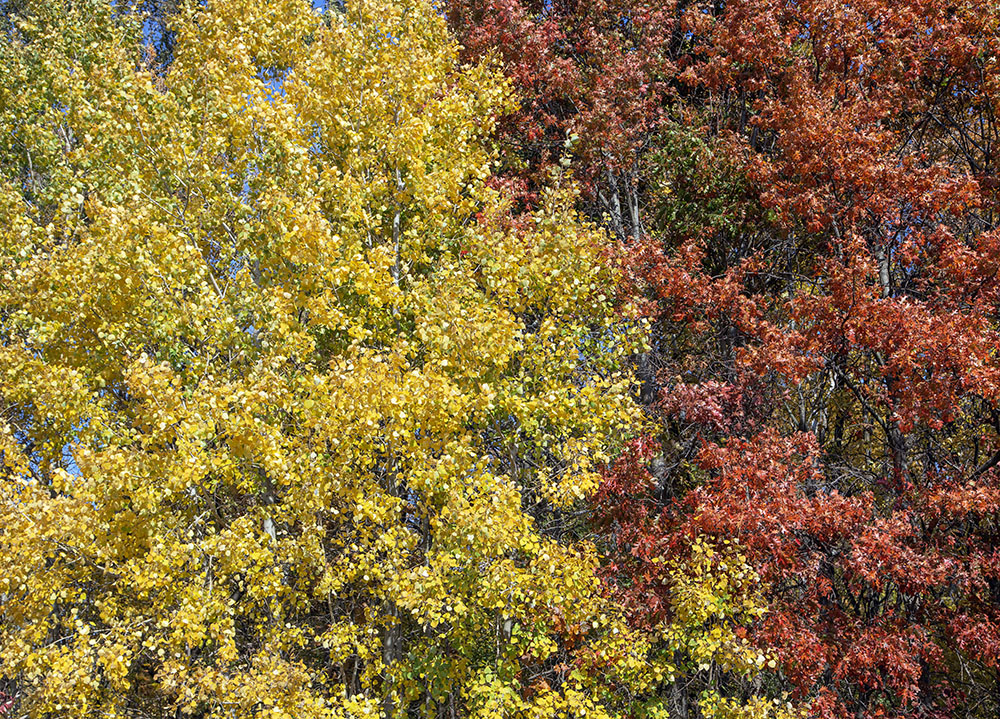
295, 410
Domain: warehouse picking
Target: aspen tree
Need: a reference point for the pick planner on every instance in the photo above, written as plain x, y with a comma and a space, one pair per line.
295, 412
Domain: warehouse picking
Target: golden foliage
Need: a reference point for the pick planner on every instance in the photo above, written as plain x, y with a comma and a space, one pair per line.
294, 413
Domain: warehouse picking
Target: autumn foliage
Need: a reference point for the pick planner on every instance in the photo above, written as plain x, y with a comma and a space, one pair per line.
294, 410
819, 254
500, 358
